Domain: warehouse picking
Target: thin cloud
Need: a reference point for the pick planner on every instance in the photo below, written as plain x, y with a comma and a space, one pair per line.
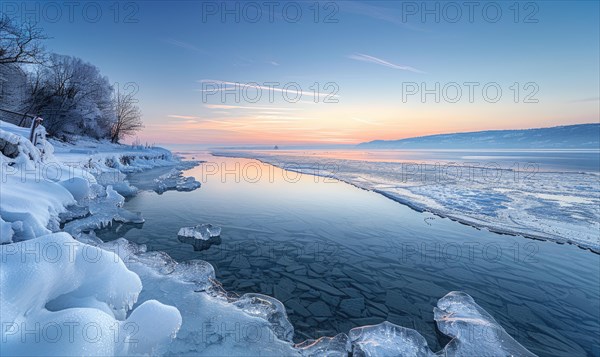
290, 91
188, 117
224, 106
181, 44
585, 100
366, 58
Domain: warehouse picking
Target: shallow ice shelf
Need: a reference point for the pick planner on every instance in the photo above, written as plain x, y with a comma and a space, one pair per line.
201, 231
174, 180
387, 339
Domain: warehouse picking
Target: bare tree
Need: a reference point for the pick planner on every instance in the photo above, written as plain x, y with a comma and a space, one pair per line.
72, 97
20, 43
128, 116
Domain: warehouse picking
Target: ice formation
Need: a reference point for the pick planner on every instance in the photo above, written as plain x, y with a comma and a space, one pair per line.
103, 209
174, 180
337, 346
201, 231
212, 324
269, 309
474, 330
62, 297
54, 183
387, 339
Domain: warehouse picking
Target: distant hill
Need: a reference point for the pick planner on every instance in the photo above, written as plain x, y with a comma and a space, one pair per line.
582, 136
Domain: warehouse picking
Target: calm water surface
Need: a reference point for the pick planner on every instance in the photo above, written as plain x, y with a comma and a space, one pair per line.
340, 257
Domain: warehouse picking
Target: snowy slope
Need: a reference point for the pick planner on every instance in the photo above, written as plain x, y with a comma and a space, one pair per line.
583, 136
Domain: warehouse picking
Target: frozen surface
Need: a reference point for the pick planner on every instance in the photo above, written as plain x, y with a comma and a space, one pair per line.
337, 346
6, 232
474, 331
388, 340
103, 209
563, 206
53, 183
269, 309
201, 231
213, 324
174, 180
61, 297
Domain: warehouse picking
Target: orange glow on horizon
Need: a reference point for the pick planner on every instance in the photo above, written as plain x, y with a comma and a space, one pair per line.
352, 125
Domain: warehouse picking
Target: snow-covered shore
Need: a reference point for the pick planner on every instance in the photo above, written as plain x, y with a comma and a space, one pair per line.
65, 292
558, 206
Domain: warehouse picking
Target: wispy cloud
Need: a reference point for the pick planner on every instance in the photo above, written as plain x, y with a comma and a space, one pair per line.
224, 106
188, 117
274, 63
225, 85
585, 100
181, 44
366, 58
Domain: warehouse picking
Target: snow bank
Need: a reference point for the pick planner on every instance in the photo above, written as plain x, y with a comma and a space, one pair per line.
52, 183
62, 297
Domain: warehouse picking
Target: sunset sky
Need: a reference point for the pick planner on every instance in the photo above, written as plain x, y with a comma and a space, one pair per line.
182, 55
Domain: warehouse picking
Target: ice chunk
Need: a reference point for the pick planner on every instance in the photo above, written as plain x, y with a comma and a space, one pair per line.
211, 325
388, 340
269, 309
174, 180
474, 331
6, 232
337, 346
78, 187
201, 231
200, 244
152, 326
195, 271
64, 298
104, 209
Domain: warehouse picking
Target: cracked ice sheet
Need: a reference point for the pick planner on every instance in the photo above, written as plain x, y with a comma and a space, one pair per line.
558, 206
211, 326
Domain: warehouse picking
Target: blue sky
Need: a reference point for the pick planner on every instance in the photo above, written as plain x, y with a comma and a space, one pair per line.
371, 52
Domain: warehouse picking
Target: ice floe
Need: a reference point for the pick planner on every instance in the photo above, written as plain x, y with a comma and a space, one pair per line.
201, 231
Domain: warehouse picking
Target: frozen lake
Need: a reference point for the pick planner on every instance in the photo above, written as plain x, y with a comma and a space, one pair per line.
339, 257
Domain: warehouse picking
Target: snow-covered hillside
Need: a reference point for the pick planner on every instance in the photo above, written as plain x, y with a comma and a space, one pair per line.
583, 136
